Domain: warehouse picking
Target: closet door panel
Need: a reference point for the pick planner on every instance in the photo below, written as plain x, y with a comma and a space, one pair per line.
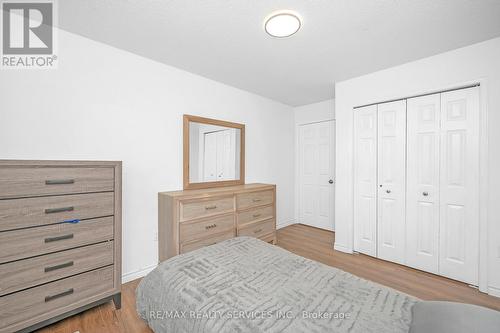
391, 180
459, 206
365, 180
209, 157
422, 190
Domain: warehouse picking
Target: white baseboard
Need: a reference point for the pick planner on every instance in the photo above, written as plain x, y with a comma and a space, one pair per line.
127, 277
342, 248
283, 224
493, 291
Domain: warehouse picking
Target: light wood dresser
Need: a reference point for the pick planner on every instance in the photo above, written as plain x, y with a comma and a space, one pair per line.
60, 240
190, 219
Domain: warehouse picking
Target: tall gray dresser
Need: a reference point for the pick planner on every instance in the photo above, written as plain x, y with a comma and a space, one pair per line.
60, 240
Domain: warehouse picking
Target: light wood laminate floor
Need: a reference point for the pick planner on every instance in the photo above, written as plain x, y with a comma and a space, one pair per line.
308, 242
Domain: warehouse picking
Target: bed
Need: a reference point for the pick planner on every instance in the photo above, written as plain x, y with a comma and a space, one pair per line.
246, 285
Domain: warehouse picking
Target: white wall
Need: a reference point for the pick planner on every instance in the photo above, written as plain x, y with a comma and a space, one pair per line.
307, 114
312, 113
106, 104
451, 69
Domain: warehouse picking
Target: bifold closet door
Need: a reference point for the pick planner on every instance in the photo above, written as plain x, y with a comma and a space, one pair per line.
442, 221
459, 185
422, 208
209, 157
226, 162
391, 181
365, 180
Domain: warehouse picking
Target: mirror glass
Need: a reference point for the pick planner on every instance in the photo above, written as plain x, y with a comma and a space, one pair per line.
214, 153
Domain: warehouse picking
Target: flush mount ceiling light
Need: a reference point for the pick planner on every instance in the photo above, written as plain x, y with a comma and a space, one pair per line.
282, 24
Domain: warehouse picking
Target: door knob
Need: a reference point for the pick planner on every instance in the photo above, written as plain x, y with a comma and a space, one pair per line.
388, 191
331, 181
425, 194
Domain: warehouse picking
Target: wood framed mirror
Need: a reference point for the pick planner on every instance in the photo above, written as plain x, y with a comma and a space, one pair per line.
214, 153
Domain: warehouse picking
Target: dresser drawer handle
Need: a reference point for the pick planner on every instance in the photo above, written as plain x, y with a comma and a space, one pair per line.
59, 210
60, 266
59, 181
64, 293
58, 238
256, 199
211, 226
256, 215
210, 207
257, 231
75, 221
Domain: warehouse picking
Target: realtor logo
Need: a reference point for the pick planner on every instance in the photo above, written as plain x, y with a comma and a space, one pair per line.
28, 34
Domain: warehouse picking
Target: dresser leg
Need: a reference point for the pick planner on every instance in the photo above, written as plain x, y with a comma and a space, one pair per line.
117, 299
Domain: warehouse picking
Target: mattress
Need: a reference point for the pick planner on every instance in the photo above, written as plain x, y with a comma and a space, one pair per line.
246, 285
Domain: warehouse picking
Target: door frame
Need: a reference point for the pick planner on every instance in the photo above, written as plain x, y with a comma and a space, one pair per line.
297, 164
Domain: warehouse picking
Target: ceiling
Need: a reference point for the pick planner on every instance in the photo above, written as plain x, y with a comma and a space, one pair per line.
224, 40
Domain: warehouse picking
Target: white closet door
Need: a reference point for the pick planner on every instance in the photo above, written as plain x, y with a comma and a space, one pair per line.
225, 155
422, 196
459, 180
365, 180
391, 180
210, 157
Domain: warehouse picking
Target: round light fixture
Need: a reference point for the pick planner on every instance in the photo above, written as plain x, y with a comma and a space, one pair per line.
282, 24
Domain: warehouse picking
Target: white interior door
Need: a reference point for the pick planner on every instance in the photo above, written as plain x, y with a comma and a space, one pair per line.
422, 195
459, 185
365, 180
391, 181
316, 170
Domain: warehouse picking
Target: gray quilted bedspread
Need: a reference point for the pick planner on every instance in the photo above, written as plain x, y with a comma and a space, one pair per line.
246, 285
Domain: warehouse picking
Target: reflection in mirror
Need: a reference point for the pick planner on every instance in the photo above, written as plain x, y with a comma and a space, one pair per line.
214, 153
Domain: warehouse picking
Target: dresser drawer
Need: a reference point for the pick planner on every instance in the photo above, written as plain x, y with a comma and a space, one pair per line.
30, 181
24, 243
193, 209
31, 272
255, 214
202, 229
254, 199
257, 230
206, 242
22, 213
41, 301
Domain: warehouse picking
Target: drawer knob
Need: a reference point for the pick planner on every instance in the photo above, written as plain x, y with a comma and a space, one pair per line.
256, 215
58, 238
60, 266
256, 199
59, 210
425, 194
211, 207
59, 181
257, 231
56, 296
211, 226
